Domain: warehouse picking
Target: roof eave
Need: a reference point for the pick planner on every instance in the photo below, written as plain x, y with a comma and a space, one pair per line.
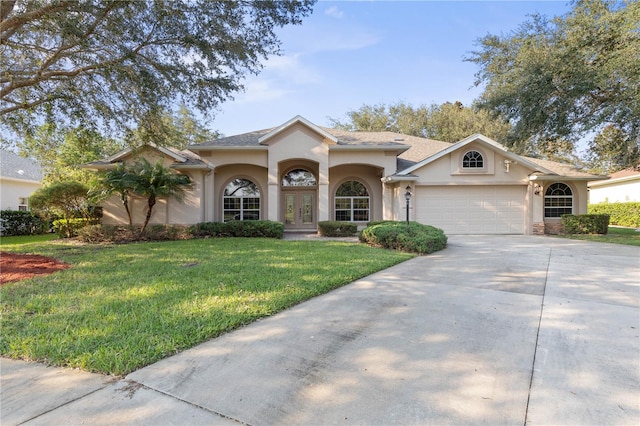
363, 147
564, 177
197, 148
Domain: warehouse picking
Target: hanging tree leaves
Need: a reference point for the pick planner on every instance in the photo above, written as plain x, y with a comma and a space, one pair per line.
114, 62
568, 76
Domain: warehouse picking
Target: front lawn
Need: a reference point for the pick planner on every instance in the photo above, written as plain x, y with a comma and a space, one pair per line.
119, 308
627, 236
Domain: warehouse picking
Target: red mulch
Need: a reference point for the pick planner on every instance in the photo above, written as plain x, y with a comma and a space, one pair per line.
16, 267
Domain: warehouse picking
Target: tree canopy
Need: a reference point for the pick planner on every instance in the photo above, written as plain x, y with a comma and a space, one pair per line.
449, 122
563, 78
113, 63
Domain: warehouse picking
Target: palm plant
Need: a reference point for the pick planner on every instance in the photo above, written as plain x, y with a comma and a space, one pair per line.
119, 181
156, 181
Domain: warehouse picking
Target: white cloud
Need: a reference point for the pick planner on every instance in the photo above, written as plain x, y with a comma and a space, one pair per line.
334, 12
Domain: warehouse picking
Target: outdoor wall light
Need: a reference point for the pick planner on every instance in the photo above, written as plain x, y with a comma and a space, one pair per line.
407, 196
537, 189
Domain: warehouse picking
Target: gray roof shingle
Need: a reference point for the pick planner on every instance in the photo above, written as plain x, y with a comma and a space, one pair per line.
13, 166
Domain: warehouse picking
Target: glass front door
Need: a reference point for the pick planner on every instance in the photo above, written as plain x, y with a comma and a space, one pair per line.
299, 210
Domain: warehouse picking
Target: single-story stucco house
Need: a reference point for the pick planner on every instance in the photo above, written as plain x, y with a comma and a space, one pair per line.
19, 178
300, 173
621, 187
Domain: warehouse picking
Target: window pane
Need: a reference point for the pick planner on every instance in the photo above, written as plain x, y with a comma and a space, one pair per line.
361, 215
360, 203
343, 215
241, 188
299, 177
343, 203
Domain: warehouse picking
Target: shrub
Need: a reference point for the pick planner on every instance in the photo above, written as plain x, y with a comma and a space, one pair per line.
585, 223
239, 228
621, 214
413, 237
67, 228
18, 222
337, 229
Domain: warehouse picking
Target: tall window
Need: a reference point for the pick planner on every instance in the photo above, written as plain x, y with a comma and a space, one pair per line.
558, 200
299, 177
241, 201
472, 160
352, 202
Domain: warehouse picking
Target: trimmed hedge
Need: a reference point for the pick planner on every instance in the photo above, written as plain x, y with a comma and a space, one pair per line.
238, 228
19, 222
585, 223
621, 214
337, 229
413, 237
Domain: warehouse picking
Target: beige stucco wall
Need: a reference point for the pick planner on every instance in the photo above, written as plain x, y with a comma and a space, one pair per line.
166, 211
12, 190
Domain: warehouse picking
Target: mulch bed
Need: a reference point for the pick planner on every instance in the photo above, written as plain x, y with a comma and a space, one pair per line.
16, 267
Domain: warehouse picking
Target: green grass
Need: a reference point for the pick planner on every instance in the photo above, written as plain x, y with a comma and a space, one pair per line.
26, 239
627, 236
119, 308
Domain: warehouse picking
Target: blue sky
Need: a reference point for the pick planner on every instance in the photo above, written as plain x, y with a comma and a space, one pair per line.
353, 53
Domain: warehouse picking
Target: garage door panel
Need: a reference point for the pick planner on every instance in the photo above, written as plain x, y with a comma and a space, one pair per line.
472, 210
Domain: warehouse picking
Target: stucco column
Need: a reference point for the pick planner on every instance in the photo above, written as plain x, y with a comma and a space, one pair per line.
323, 202
273, 201
209, 196
537, 207
387, 202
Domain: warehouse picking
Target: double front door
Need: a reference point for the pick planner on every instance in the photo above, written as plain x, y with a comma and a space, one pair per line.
300, 209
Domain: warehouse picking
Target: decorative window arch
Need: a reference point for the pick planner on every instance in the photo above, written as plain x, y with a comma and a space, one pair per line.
558, 200
352, 202
472, 160
241, 200
299, 177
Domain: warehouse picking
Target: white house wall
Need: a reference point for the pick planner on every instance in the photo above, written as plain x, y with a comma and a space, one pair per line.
615, 192
12, 190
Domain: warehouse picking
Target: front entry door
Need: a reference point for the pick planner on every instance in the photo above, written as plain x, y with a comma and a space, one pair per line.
300, 210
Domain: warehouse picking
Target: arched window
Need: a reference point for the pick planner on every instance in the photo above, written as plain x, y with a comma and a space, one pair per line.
472, 160
352, 202
299, 177
558, 200
241, 201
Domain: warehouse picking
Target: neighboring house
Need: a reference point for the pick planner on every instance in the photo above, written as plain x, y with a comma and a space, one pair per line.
300, 174
19, 178
621, 187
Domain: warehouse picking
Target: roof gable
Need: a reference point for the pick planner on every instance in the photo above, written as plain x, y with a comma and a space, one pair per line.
263, 140
475, 138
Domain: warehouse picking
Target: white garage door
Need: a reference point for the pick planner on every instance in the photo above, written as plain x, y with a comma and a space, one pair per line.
472, 209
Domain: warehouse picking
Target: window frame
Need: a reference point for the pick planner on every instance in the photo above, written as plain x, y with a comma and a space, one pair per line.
556, 205
243, 206
469, 166
350, 207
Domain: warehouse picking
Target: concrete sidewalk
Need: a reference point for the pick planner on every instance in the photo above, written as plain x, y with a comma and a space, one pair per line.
492, 330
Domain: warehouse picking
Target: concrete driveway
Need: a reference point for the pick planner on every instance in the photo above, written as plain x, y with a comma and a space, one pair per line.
492, 330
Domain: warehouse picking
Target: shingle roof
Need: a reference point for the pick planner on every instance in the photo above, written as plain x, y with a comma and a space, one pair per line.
419, 148
15, 167
562, 169
631, 171
344, 138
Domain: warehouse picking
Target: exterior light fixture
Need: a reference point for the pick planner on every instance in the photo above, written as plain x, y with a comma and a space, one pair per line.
407, 196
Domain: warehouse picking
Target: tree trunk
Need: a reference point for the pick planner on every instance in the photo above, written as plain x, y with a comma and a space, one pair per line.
150, 202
